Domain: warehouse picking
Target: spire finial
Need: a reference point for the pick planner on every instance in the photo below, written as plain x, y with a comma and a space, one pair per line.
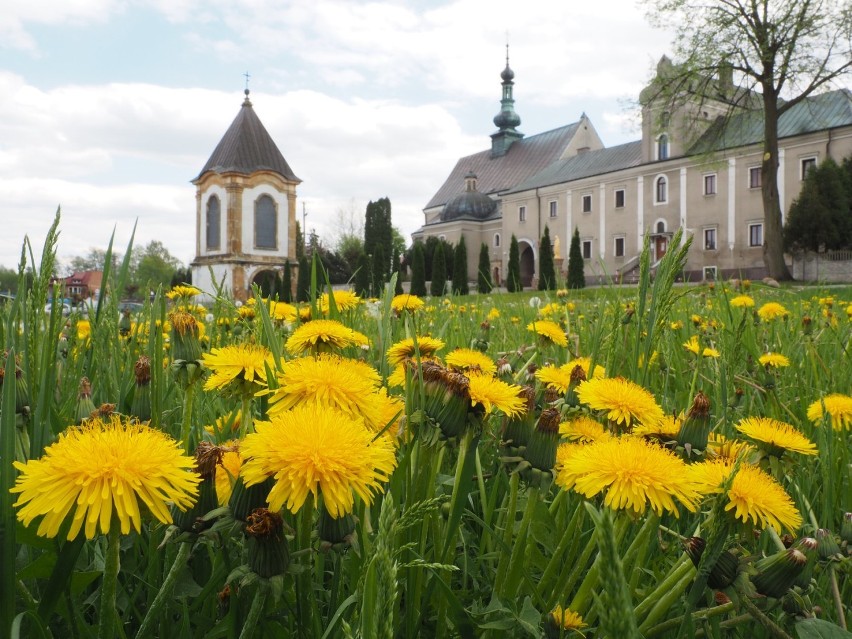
247, 102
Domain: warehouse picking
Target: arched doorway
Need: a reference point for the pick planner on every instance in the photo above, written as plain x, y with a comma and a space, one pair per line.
527, 265
265, 281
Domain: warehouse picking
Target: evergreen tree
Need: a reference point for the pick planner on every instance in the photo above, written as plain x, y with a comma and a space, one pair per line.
439, 272
418, 271
300, 242
378, 231
576, 278
460, 285
428, 255
303, 282
546, 269
286, 284
513, 274
395, 264
379, 273
483, 277
819, 216
362, 276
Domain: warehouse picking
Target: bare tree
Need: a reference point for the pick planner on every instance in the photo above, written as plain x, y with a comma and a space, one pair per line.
779, 52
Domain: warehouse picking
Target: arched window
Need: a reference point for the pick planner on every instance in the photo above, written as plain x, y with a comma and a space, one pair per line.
265, 223
661, 226
496, 240
214, 223
663, 147
661, 190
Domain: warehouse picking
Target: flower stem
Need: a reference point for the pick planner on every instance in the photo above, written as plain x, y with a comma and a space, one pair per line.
165, 590
255, 611
186, 424
245, 416
516, 563
835, 593
770, 625
508, 531
109, 585
698, 615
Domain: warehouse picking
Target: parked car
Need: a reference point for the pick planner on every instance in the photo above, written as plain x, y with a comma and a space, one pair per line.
62, 307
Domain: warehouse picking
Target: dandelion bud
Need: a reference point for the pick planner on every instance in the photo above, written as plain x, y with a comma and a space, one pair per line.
85, 405
185, 343
723, 573
335, 533
778, 572
695, 429
827, 545
268, 554
540, 451
244, 499
807, 325
846, 529
578, 375
517, 430
207, 457
808, 547
140, 407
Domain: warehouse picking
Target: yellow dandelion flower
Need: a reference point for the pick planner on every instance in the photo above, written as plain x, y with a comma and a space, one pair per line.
183, 291
317, 449
623, 401
719, 446
101, 470
241, 365
742, 301
84, 329
227, 472
322, 335
565, 452
772, 311
676, 325
304, 313
694, 347
838, 407
549, 331
710, 352
397, 377
774, 360
493, 394
405, 349
283, 312
777, 436
554, 377
634, 474
665, 430
754, 495
467, 359
343, 300
346, 384
550, 309
406, 302
566, 619
494, 314
247, 311
583, 430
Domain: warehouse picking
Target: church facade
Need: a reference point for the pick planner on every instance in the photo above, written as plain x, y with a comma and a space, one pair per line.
695, 167
245, 210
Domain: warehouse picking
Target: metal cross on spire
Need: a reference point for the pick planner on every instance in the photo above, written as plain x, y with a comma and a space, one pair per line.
247, 76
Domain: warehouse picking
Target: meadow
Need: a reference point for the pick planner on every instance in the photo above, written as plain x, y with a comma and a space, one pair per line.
660, 460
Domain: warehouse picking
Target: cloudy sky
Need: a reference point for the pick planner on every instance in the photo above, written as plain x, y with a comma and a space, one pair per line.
108, 108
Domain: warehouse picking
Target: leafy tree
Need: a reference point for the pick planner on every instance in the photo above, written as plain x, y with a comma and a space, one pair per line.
513, 273
576, 277
820, 216
379, 274
362, 276
8, 280
460, 284
783, 50
300, 242
286, 293
303, 280
546, 269
418, 271
156, 266
483, 277
182, 276
439, 272
350, 247
94, 260
397, 290
378, 231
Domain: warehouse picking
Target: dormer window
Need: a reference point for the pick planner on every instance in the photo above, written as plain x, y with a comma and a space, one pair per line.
663, 147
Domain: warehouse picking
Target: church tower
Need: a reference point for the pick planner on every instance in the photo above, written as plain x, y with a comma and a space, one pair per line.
245, 196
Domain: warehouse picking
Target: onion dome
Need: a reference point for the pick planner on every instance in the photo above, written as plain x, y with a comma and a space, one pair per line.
470, 204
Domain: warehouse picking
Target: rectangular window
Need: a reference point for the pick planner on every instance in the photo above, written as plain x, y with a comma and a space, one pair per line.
618, 247
807, 165
522, 214
755, 234
710, 239
619, 198
754, 177
710, 184
553, 209
710, 273
587, 249
587, 204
